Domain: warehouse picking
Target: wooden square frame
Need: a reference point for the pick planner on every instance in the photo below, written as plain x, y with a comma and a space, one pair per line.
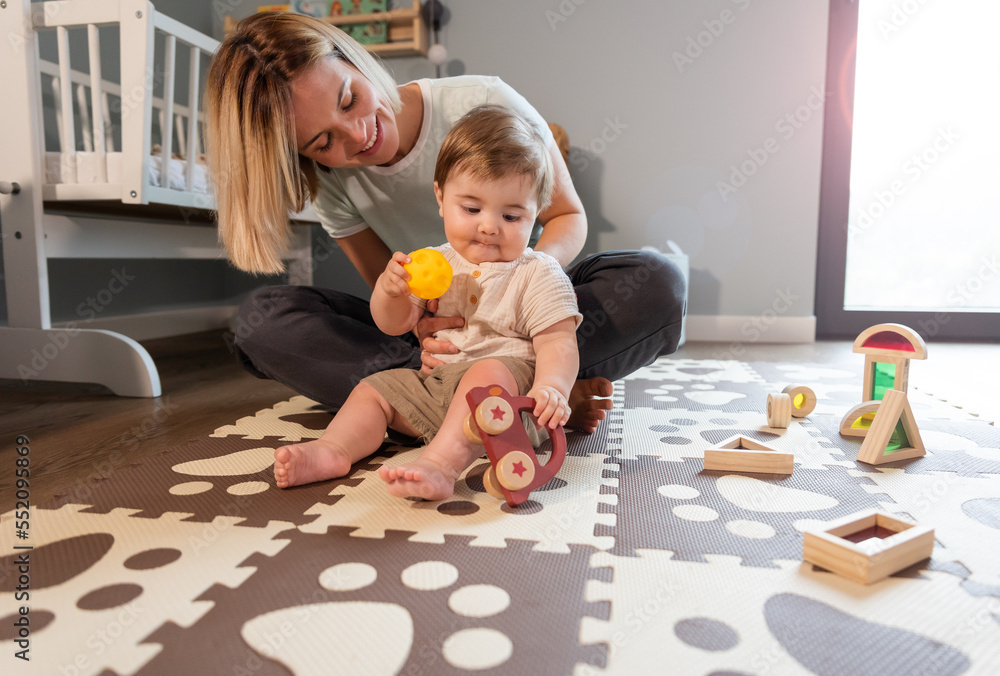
872, 559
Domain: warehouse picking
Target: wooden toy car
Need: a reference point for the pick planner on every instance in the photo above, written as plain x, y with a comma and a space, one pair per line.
495, 422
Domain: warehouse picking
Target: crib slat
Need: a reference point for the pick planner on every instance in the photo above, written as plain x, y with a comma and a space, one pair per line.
96, 102
109, 141
81, 103
56, 87
136, 45
65, 92
192, 136
167, 125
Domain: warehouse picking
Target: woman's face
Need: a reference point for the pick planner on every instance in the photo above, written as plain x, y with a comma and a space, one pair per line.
340, 118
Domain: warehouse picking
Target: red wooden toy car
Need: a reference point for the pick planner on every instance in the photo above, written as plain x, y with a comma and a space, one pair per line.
495, 422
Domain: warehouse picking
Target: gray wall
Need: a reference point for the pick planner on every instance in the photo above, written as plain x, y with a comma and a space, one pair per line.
652, 139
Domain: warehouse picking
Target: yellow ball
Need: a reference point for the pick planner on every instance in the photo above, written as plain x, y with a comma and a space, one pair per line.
430, 273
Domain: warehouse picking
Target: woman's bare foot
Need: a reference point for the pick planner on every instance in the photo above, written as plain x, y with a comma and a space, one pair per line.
590, 403
420, 479
316, 460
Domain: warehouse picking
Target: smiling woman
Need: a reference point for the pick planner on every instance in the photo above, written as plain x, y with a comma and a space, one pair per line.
351, 125
298, 111
258, 173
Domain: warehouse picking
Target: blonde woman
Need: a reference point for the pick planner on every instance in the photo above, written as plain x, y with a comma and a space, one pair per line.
298, 111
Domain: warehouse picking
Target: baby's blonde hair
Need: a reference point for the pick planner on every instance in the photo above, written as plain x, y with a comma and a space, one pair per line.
258, 175
492, 142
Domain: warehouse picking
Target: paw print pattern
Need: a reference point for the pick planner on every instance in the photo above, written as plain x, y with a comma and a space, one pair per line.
679, 507
211, 477
393, 606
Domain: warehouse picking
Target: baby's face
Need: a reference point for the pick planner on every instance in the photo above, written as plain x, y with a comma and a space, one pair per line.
487, 221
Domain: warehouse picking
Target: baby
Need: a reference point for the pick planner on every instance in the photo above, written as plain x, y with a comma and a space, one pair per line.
492, 177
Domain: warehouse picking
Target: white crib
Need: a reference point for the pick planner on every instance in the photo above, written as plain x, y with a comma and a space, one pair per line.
49, 200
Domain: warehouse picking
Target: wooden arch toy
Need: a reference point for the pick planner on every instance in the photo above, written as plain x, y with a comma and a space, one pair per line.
858, 420
495, 422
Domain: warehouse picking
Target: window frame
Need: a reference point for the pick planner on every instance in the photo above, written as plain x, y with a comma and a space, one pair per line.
832, 319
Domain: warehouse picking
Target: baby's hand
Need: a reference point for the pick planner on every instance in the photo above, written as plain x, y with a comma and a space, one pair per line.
551, 407
393, 280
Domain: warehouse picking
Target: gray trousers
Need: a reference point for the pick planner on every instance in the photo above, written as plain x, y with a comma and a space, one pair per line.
321, 343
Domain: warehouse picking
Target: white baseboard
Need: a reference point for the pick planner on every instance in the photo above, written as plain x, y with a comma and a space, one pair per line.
757, 329
149, 325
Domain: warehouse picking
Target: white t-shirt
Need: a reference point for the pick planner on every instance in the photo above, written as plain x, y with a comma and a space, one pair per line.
504, 304
397, 202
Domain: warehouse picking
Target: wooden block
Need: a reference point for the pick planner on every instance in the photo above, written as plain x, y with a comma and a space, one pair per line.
867, 546
891, 340
901, 376
847, 428
894, 410
739, 454
779, 410
803, 400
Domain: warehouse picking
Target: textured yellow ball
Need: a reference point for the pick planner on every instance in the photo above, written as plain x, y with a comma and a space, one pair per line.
430, 273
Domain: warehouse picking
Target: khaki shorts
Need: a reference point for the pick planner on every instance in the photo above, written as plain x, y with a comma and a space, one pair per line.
424, 399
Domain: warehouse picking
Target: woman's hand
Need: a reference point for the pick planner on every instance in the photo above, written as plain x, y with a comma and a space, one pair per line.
425, 331
393, 281
551, 407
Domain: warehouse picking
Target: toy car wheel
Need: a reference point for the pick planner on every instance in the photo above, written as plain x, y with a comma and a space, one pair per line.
515, 471
491, 484
494, 415
470, 431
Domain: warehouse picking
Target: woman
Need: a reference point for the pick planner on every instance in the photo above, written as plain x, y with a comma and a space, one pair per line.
298, 111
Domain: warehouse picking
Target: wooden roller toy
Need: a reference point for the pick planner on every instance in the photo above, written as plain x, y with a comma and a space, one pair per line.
495, 422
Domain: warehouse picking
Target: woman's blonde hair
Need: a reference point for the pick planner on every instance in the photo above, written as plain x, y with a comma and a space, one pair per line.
492, 142
258, 174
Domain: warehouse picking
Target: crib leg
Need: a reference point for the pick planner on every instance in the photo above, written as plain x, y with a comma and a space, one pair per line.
78, 355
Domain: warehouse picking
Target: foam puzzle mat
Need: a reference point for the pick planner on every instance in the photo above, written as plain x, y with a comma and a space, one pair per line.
634, 560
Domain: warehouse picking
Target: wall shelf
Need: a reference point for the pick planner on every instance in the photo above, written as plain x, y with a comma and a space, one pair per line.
407, 32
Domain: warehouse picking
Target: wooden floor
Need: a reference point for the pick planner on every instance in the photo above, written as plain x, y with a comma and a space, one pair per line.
81, 433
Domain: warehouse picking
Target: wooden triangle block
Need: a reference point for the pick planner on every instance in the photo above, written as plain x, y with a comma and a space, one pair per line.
739, 454
893, 424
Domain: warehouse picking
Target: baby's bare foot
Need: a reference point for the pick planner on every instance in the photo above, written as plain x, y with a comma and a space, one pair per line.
316, 460
589, 403
420, 478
